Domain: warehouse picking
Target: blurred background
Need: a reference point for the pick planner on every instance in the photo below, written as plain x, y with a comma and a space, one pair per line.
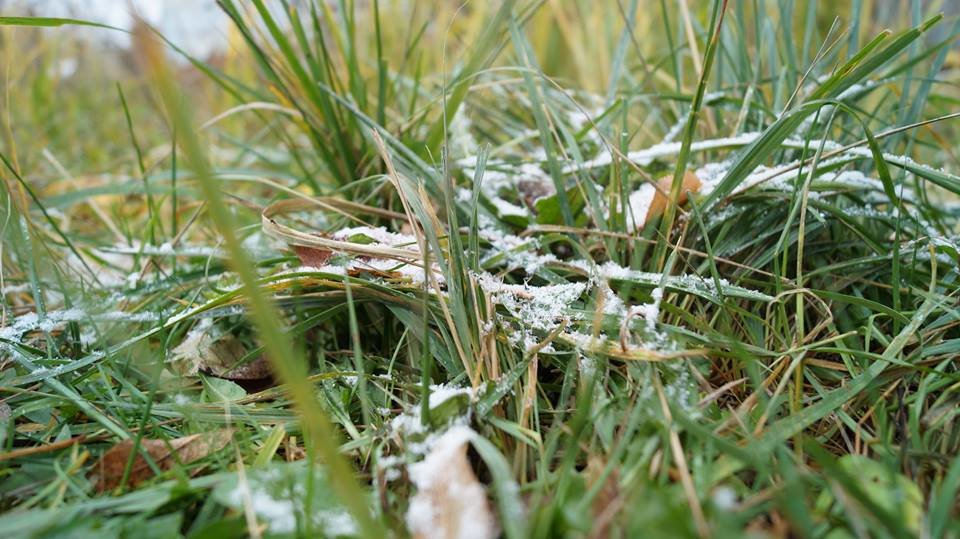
201, 28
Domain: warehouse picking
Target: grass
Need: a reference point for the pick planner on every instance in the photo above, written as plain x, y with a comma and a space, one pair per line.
774, 353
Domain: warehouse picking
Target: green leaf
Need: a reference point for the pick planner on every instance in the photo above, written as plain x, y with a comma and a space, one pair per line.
220, 390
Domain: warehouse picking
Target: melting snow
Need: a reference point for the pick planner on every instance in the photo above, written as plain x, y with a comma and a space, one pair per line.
410, 422
165, 249
639, 205
14, 289
54, 320
432, 477
379, 234
444, 392
665, 149
280, 516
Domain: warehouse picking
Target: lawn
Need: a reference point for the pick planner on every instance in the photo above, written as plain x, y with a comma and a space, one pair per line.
518, 268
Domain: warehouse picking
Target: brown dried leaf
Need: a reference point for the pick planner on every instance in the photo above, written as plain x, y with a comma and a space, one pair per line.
166, 454
207, 349
450, 502
533, 189
691, 183
311, 256
223, 359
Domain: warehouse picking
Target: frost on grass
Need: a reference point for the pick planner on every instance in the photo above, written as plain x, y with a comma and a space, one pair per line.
667, 149
539, 307
534, 311
461, 139
164, 249
441, 393
416, 433
393, 269
649, 312
534, 308
704, 287
510, 188
56, 320
375, 235
409, 270
124, 267
514, 252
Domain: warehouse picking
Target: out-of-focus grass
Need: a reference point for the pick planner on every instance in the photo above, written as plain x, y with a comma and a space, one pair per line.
798, 375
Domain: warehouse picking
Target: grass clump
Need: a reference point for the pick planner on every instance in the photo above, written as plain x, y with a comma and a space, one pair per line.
520, 268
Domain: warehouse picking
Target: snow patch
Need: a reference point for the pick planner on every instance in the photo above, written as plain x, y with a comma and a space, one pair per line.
639, 205
280, 516
432, 477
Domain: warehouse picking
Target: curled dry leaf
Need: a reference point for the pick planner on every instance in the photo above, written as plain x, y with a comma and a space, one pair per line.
450, 502
691, 184
108, 471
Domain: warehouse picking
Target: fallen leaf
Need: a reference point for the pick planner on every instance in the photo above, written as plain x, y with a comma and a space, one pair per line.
206, 348
450, 502
223, 358
220, 390
533, 189
690, 184
166, 454
312, 256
